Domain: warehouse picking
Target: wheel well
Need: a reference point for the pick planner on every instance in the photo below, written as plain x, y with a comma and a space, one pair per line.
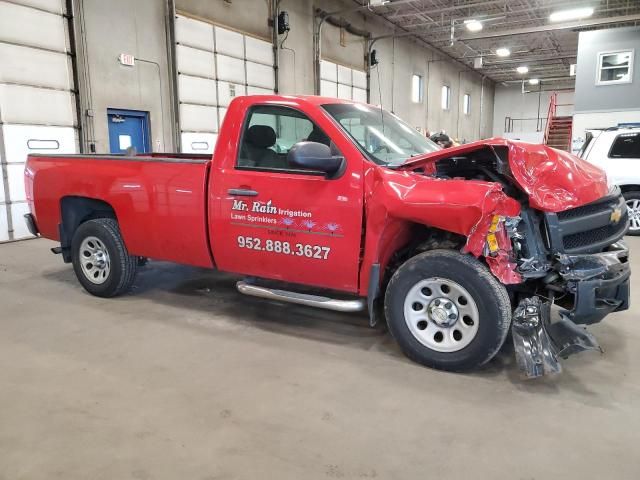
629, 188
424, 238
75, 211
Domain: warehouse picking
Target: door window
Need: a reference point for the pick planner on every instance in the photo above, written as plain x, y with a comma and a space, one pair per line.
626, 145
270, 132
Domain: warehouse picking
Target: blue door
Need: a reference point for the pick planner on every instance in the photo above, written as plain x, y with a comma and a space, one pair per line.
128, 128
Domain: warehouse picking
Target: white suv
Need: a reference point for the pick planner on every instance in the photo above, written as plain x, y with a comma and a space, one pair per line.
617, 151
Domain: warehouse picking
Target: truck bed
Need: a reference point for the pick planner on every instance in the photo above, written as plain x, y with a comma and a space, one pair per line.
159, 200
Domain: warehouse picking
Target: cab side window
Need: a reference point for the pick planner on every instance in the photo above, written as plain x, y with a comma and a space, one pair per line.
270, 132
626, 145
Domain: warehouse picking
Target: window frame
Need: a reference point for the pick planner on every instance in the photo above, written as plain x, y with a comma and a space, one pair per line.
245, 125
448, 90
599, 67
420, 88
466, 104
620, 135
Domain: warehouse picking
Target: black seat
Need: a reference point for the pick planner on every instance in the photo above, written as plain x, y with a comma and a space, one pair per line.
257, 147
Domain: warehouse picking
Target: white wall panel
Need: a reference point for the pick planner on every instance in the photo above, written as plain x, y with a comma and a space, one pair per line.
344, 75
198, 118
18, 211
192, 61
344, 91
2, 199
15, 172
359, 95
229, 42
27, 26
227, 91
194, 33
258, 91
230, 69
20, 140
259, 75
238, 65
197, 142
258, 51
197, 90
53, 6
4, 226
20, 104
359, 79
34, 67
328, 71
37, 106
328, 88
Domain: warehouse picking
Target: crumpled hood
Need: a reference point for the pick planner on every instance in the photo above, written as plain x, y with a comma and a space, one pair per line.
553, 179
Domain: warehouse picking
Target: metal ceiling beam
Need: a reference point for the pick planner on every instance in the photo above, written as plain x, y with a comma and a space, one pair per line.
444, 9
525, 59
549, 28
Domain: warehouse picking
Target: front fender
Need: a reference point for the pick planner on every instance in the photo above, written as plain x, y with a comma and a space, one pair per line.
397, 200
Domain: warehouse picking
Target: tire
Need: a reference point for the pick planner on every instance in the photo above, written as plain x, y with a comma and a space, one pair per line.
474, 303
632, 199
101, 260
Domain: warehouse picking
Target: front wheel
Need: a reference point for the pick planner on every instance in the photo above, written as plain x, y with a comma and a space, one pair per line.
632, 199
100, 258
447, 311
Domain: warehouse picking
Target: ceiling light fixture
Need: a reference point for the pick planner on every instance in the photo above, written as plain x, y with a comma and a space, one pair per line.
573, 14
473, 25
503, 52
534, 81
522, 70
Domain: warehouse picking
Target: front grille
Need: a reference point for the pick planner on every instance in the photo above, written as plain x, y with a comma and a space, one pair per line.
596, 236
588, 228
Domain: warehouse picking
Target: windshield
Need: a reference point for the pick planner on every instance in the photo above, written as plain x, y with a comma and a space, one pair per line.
385, 138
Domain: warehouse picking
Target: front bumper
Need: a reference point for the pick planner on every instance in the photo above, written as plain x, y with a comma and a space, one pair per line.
599, 283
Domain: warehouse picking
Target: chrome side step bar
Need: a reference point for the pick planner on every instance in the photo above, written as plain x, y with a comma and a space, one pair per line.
327, 303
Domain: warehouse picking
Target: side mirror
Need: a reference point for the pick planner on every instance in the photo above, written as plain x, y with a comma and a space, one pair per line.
316, 156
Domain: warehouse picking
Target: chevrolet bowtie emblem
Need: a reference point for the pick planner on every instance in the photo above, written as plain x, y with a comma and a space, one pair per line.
616, 215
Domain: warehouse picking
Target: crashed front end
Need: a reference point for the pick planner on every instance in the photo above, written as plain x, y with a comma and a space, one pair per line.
577, 261
562, 249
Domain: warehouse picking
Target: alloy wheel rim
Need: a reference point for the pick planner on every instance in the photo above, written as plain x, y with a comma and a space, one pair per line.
94, 260
441, 314
633, 208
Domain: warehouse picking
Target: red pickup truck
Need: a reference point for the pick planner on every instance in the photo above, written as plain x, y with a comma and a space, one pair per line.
450, 247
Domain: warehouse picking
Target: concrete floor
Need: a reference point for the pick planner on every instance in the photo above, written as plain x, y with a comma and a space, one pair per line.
187, 379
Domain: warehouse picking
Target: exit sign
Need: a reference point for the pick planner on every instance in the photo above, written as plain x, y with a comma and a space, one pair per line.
127, 59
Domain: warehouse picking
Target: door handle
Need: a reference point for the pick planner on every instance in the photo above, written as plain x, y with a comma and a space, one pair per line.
242, 192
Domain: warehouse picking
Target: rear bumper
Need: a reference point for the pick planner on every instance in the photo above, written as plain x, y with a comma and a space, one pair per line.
599, 282
31, 224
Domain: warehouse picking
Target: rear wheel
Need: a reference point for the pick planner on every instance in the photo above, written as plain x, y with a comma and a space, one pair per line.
447, 311
100, 258
632, 199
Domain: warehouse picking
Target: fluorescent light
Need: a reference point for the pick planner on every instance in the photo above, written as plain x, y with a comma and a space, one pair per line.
522, 70
473, 25
534, 81
573, 14
503, 52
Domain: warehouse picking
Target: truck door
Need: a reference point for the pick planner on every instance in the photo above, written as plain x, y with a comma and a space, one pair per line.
269, 220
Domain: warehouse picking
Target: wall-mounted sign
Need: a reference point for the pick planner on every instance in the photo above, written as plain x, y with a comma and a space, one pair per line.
127, 59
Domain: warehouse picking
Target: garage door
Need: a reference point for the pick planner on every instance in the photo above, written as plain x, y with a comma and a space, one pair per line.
342, 82
215, 65
37, 111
